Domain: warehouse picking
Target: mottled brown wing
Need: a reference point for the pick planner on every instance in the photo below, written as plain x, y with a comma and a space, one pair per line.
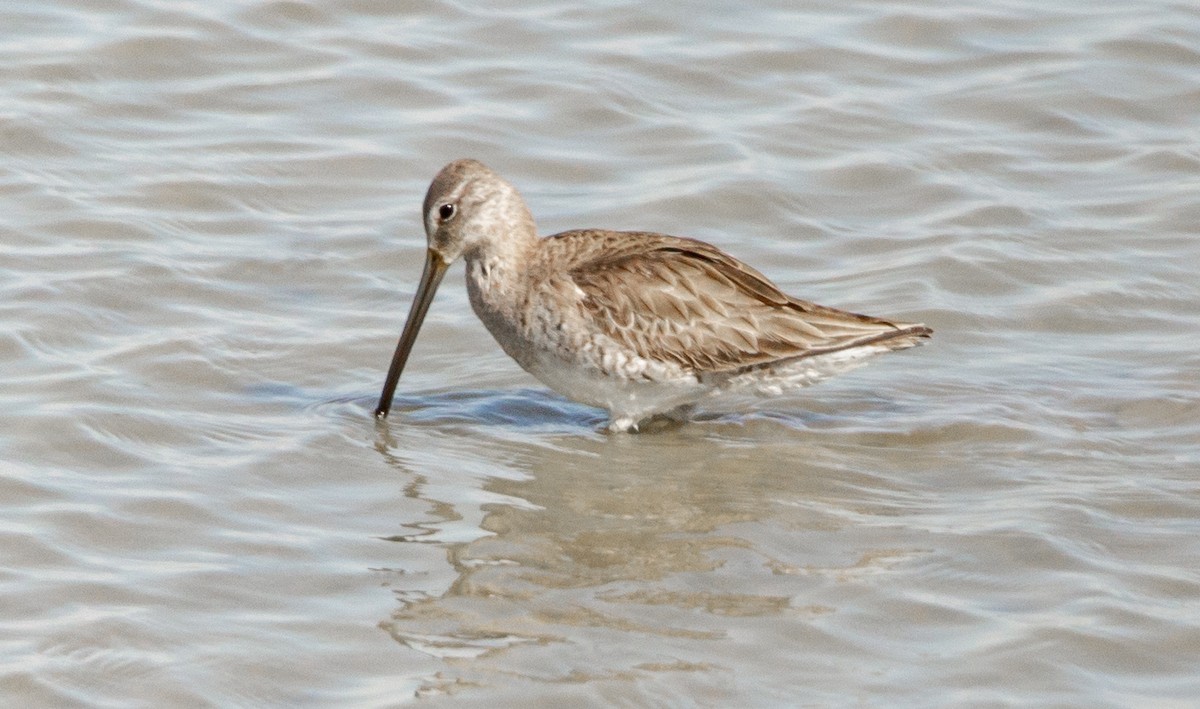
684, 301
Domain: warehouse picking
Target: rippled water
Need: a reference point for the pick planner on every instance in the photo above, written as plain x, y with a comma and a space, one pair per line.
211, 235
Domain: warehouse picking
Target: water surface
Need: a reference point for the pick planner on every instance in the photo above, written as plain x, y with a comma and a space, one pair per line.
212, 234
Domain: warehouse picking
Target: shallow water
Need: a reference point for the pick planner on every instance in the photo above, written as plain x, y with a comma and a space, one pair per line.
211, 234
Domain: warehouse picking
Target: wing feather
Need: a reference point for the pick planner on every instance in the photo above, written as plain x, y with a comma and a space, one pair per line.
684, 301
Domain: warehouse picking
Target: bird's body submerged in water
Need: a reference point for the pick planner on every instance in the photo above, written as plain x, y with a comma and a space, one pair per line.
638, 323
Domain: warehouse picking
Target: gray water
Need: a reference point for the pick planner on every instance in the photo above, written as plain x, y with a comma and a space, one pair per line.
211, 234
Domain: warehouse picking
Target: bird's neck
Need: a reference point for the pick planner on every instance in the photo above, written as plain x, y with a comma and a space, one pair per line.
499, 286
497, 272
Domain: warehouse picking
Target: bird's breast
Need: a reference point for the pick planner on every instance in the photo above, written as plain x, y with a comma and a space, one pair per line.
498, 298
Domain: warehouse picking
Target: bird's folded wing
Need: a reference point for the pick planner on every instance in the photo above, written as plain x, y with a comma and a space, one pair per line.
683, 301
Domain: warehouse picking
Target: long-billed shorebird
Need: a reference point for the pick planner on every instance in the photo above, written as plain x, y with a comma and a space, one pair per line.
638, 323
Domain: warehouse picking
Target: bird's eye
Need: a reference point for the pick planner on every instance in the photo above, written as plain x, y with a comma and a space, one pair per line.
446, 211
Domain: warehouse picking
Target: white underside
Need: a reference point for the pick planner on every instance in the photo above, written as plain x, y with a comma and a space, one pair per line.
632, 400
627, 400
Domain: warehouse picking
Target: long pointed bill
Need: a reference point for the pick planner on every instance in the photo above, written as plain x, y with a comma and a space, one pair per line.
435, 268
